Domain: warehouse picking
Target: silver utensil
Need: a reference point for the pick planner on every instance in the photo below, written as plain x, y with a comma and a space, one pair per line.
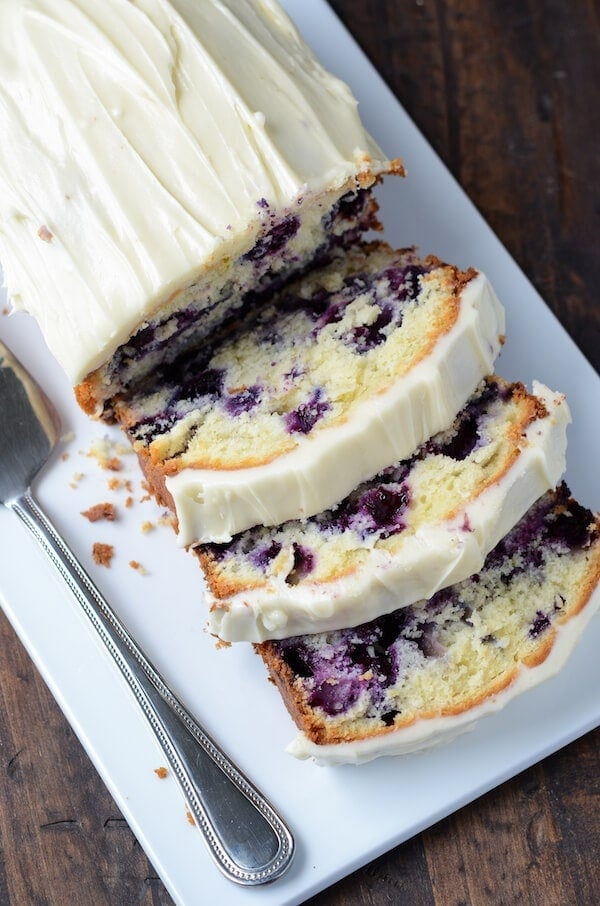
246, 837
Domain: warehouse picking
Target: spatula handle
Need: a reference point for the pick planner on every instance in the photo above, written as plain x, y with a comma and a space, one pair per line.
246, 837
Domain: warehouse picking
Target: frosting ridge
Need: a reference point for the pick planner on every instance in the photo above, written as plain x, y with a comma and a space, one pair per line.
151, 152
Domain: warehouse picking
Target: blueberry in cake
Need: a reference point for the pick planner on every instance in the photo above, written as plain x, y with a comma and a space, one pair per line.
345, 371
419, 525
419, 675
186, 158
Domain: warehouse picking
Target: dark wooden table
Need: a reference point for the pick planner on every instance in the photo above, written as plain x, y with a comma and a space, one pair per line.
508, 93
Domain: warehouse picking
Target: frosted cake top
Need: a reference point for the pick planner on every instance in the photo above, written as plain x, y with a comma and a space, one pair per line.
139, 142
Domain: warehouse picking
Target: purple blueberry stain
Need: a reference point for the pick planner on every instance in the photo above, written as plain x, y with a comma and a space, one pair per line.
304, 563
428, 641
405, 282
303, 419
468, 434
331, 315
205, 383
336, 695
539, 624
262, 557
570, 527
366, 337
383, 509
274, 240
388, 717
376, 506
141, 340
185, 318
555, 524
244, 400
364, 661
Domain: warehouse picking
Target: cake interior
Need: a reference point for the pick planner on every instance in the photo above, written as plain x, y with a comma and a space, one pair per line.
440, 478
330, 341
443, 656
287, 243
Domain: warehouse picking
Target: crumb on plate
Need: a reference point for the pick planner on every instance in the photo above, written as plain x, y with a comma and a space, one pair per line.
102, 553
101, 511
134, 564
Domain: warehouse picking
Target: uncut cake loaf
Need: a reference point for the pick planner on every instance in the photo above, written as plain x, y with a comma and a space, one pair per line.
422, 674
343, 372
420, 525
163, 162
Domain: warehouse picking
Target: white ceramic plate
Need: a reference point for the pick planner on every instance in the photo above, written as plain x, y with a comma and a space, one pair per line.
341, 817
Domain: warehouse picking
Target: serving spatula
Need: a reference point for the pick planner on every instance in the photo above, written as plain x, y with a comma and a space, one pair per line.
246, 837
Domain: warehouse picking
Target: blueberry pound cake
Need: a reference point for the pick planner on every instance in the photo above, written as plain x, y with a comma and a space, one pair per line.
422, 674
418, 526
347, 370
161, 161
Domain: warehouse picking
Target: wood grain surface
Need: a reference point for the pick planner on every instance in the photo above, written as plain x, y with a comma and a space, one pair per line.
507, 92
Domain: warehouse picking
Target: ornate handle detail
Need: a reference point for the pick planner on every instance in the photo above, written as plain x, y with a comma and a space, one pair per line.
246, 837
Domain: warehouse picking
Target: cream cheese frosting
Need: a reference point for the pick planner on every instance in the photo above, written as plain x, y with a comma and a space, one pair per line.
136, 138
435, 557
428, 733
213, 505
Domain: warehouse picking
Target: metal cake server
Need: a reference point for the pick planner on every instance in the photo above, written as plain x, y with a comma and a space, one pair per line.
246, 837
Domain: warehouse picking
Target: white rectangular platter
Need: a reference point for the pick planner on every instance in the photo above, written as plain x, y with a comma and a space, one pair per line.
341, 817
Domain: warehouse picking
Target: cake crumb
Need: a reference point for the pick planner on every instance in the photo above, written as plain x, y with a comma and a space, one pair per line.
45, 234
190, 817
77, 476
100, 511
64, 456
102, 450
168, 519
129, 502
115, 484
161, 772
147, 527
134, 564
5, 311
102, 553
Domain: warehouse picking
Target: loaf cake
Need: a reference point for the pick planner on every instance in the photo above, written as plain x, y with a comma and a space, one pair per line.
162, 162
185, 198
418, 526
345, 371
422, 674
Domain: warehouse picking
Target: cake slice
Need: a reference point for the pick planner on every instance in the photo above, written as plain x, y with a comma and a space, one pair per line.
418, 526
424, 673
160, 162
347, 370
